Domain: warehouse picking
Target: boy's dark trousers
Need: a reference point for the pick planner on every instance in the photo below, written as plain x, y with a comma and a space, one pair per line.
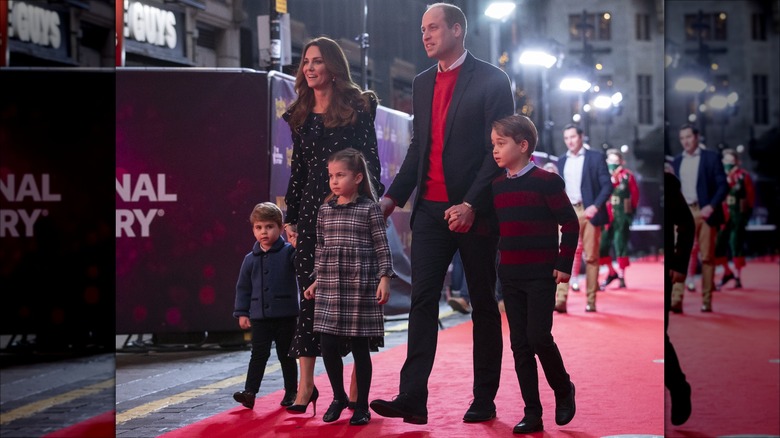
265, 331
529, 311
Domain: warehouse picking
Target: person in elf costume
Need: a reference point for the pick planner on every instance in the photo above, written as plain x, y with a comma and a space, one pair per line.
737, 208
621, 208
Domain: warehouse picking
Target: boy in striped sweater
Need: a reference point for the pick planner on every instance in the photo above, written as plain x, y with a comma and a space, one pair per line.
531, 204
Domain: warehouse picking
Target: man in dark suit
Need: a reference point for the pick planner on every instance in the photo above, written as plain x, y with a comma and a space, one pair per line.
450, 163
678, 237
704, 188
588, 186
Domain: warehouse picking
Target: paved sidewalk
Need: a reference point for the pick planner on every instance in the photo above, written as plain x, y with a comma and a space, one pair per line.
40, 398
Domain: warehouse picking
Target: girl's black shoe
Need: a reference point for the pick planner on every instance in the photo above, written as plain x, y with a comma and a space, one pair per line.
301, 409
334, 411
360, 417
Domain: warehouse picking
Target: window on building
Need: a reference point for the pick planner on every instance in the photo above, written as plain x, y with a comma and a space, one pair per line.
643, 27
601, 30
207, 37
758, 27
760, 100
711, 26
644, 97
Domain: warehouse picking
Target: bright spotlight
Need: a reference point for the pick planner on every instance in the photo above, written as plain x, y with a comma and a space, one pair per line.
499, 10
574, 84
718, 102
602, 102
690, 84
537, 57
617, 98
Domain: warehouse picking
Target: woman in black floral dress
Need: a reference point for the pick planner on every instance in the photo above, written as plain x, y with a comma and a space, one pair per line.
330, 114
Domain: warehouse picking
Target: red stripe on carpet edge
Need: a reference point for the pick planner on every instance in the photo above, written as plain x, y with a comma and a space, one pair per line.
100, 426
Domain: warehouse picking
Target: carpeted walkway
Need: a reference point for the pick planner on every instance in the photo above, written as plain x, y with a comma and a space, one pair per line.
614, 357
730, 357
100, 426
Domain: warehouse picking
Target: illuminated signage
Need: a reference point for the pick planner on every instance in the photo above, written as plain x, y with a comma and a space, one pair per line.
151, 25
33, 24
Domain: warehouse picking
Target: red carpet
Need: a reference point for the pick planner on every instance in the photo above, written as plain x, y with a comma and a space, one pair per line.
726, 357
610, 356
101, 426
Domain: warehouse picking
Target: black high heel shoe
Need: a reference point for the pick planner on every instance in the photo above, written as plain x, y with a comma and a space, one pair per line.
301, 409
334, 411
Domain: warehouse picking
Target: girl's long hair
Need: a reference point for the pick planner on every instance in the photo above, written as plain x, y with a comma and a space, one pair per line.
355, 162
346, 98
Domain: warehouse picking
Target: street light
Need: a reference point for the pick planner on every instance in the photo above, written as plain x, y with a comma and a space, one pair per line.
537, 57
500, 10
690, 84
574, 83
534, 57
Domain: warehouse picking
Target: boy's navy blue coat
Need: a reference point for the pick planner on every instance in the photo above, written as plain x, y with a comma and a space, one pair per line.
266, 286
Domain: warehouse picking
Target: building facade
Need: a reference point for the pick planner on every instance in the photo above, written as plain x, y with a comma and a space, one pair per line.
69, 33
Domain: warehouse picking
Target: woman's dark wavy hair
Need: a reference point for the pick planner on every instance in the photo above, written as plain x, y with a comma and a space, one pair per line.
347, 97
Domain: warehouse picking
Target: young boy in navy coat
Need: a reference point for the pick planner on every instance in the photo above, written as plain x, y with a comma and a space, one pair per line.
267, 303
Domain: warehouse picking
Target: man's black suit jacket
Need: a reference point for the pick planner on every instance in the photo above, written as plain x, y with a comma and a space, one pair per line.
482, 95
596, 184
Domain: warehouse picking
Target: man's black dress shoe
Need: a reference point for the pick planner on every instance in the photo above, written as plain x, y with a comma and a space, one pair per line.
565, 408
246, 398
289, 398
681, 404
480, 410
402, 406
529, 425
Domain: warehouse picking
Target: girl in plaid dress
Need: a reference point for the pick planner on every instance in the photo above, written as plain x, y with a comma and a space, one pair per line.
353, 268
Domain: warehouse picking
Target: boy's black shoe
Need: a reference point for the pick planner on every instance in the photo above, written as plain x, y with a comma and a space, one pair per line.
480, 410
289, 398
565, 408
246, 398
529, 425
402, 406
681, 404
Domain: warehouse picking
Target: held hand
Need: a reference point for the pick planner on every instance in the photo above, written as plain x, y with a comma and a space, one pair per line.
561, 277
292, 234
387, 205
459, 217
244, 323
591, 211
309, 292
383, 291
677, 277
706, 211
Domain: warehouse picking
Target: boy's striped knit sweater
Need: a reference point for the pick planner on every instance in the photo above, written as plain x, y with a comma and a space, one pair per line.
530, 208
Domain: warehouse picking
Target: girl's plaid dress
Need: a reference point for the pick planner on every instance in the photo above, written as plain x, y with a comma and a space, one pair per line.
351, 255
